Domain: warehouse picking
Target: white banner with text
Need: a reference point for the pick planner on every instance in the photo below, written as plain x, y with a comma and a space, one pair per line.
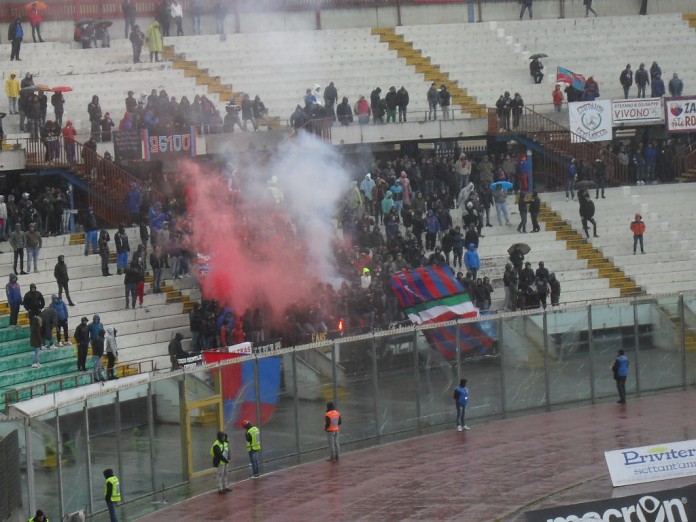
637, 111
590, 121
651, 463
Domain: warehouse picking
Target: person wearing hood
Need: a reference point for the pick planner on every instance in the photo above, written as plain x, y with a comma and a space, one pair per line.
35, 339
387, 203
13, 292
397, 195
642, 79
95, 115
344, 112
81, 336
60, 272
15, 34
406, 187
3, 216
49, 321
122, 249
471, 260
111, 349
97, 341
104, 251
366, 186
391, 99
154, 41
220, 451
33, 301
69, 134
176, 351
12, 91
432, 227
657, 87
38, 517
62, 319
676, 86
638, 229
112, 493
253, 445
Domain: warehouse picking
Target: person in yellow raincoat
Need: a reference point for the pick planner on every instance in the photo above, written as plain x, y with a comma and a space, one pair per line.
154, 41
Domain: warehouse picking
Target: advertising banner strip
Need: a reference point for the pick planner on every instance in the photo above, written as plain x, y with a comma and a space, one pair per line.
680, 114
590, 121
671, 505
651, 463
637, 110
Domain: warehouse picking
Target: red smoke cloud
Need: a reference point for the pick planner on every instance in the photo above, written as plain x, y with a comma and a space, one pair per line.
257, 256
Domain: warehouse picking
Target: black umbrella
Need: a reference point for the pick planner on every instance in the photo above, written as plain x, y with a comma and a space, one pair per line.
538, 55
585, 185
30, 88
105, 23
522, 247
84, 22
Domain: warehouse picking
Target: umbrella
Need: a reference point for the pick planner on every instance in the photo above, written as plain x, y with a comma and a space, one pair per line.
505, 184
30, 88
42, 87
39, 5
585, 185
105, 23
62, 88
538, 55
522, 247
84, 22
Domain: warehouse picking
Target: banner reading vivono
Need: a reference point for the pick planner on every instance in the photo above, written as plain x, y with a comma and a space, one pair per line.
650, 463
672, 505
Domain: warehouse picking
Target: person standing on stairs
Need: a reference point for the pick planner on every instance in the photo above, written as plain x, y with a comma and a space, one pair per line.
638, 229
177, 11
81, 336
522, 208
91, 227
15, 34
96, 337
33, 301
13, 292
122, 249
35, 339
534, 209
587, 211
18, 242
95, 115
104, 251
62, 314
35, 20
33, 242
154, 41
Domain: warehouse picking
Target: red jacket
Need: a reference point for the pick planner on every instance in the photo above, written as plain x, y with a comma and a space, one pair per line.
34, 17
637, 227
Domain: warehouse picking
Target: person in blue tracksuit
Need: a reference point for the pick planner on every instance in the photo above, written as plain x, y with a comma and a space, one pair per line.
471, 260
620, 369
461, 399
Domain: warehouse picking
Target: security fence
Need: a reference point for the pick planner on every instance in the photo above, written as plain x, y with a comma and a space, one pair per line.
155, 430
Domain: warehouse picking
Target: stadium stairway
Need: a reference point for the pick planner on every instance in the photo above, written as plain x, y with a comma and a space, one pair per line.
690, 18
143, 333
432, 71
213, 84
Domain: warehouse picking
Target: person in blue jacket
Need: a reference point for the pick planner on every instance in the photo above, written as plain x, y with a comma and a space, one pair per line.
14, 299
571, 176
471, 260
134, 198
461, 399
620, 369
62, 312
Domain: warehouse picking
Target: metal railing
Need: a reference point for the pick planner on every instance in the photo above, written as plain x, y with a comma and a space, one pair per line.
689, 162
107, 182
67, 383
559, 144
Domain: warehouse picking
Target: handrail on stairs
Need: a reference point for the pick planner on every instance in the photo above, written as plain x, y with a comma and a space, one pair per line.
559, 144
107, 182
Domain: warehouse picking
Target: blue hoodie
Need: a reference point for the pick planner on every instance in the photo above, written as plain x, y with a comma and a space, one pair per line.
133, 199
95, 328
471, 258
432, 224
59, 306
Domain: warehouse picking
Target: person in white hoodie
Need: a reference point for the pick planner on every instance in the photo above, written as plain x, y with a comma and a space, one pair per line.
111, 350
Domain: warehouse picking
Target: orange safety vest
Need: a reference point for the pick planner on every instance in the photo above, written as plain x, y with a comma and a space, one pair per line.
334, 416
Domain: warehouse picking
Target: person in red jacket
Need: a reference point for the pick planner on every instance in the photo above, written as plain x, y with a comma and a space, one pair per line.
638, 229
35, 21
557, 96
238, 335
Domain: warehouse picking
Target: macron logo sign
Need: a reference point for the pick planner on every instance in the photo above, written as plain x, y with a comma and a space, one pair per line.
650, 463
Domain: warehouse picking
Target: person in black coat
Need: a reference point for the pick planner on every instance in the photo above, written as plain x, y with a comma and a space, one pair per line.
587, 211
402, 103
33, 301
81, 336
534, 209
344, 112
176, 351
15, 34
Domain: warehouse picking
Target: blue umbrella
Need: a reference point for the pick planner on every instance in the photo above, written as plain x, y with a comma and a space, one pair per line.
505, 184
